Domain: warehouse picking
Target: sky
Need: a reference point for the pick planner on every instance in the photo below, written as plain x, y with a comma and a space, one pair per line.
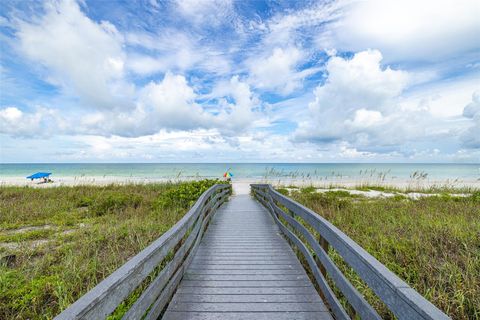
240, 81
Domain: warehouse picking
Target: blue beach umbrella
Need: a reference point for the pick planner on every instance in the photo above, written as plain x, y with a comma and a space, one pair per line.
39, 175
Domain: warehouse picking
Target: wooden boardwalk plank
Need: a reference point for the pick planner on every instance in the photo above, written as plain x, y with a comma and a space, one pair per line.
249, 277
245, 272
244, 269
247, 298
247, 315
260, 306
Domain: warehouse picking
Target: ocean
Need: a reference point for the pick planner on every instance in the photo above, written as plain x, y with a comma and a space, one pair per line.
253, 171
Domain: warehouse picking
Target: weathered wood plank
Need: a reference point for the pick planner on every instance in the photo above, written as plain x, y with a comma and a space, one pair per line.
245, 298
249, 284
247, 316
246, 272
267, 259
246, 307
248, 277
247, 291
244, 267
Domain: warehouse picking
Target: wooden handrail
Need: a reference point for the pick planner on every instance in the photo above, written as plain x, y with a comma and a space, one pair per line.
403, 301
185, 235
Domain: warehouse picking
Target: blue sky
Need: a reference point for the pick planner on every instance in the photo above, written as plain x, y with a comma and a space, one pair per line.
240, 81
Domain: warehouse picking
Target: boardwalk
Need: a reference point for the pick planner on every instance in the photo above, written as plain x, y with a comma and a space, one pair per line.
244, 269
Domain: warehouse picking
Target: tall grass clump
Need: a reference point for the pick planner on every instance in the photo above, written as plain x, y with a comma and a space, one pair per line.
58, 243
432, 243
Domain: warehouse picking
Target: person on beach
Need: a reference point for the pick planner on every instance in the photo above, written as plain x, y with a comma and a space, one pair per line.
228, 175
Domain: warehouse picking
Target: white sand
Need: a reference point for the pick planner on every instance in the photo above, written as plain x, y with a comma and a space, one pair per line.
242, 186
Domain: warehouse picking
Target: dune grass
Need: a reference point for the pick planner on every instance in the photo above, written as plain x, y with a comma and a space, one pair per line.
57, 243
432, 243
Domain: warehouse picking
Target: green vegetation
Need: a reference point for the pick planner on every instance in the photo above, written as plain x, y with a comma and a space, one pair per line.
446, 189
57, 243
307, 190
432, 243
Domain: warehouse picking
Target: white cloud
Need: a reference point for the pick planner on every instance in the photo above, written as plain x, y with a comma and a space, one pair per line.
213, 12
353, 153
365, 106
237, 108
82, 56
365, 118
362, 104
42, 122
283, 29
87, 60
472, 109
443, 99
168, 104
278, 71
11, 115
236, 117
171, 103
356, 99
191, 91
427, 30
173, 50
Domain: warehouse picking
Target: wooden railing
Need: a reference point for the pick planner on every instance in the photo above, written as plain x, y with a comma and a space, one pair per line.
181, 241
295, 222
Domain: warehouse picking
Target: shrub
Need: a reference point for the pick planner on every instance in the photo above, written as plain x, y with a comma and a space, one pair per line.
113, 202
432, 243
475, 197
84, 202
283, 191
308, 189
185, 194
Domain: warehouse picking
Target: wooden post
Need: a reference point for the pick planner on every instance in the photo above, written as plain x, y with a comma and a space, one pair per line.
324, 244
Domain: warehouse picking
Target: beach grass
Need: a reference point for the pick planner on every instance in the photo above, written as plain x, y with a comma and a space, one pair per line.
58, 243
432, 243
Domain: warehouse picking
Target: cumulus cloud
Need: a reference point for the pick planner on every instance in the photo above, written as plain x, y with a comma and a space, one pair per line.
472, 109
239, 114
278, 71
363, 105
40, 123
184, 82
81, 55
169, 104
166, 104
87, 60
355, 101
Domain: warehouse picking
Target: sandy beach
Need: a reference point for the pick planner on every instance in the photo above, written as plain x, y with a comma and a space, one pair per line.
242, 185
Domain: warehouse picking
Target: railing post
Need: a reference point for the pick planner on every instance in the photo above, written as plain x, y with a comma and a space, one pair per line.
324, 245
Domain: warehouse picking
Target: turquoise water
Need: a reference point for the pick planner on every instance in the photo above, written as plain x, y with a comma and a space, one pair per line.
248, 170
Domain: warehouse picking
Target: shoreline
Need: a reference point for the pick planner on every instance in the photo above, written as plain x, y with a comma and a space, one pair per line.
334, 182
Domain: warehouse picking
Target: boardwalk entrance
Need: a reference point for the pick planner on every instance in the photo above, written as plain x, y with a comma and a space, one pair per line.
244, 269
241, 267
